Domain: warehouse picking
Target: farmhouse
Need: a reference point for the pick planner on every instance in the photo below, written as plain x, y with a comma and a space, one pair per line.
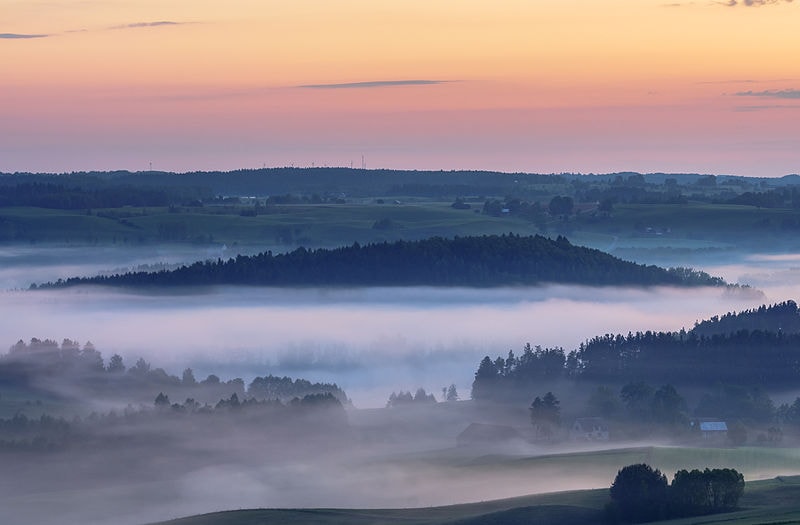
589, 429
713, 430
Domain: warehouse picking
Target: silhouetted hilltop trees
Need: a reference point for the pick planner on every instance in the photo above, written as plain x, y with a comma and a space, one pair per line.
746, 357
782, 317
462, 261
749, 349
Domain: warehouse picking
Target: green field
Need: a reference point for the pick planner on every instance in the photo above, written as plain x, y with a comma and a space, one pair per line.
288, 225
681, 227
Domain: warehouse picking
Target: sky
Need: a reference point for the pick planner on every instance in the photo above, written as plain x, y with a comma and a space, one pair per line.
545, 86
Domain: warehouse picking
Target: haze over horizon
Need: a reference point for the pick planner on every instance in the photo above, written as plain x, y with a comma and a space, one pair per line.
568, 86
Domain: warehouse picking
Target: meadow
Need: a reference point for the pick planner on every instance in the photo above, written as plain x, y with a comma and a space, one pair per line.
774, 500
647, 230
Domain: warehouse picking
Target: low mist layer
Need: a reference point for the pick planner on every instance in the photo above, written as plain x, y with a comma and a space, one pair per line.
366, 340
371, 342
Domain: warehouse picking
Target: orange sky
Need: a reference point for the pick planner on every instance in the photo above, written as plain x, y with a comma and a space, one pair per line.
542, 86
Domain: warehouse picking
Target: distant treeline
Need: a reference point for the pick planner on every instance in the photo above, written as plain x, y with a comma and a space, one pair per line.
322, 413
462, 261
43, 367
758, 347
353, 182
626, 187
102, 195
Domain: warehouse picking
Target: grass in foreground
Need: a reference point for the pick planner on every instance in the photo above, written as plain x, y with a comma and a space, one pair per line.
775, 501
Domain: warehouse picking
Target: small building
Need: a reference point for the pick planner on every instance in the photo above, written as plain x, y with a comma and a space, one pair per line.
589, 429
486, 434
714, 430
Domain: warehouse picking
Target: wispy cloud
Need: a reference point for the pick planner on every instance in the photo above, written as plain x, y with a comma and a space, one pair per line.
766, 107
18, 36
742, 81
157, 23
770, 93
754, 3
374, 84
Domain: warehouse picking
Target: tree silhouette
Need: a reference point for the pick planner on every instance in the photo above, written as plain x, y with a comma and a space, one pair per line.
639, 494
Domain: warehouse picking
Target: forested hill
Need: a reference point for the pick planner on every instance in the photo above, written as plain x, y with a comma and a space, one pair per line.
463, 261
754, 348
778, 318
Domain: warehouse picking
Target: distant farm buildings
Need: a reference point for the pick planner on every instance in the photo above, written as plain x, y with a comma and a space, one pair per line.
711, 430
589, 429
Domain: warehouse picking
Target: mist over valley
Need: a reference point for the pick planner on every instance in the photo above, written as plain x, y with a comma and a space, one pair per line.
399, 263
138, 403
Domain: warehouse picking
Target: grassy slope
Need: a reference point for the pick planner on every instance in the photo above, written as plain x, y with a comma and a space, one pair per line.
765, 502
549, 508
774, 500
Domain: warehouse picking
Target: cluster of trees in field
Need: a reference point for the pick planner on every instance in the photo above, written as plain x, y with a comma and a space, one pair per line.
420, 397
407, 398
44, 366
750, 349
640, 493
462, 261
323, 412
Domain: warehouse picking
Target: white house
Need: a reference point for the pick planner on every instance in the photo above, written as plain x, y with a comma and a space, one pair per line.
589, 429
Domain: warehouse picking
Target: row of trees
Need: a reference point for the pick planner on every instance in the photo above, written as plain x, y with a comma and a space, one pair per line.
48, 434
640, 493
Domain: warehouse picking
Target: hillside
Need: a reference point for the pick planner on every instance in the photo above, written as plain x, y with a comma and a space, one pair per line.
767, 501
504, 260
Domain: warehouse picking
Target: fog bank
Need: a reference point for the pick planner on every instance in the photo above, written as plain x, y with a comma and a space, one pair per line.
369, 341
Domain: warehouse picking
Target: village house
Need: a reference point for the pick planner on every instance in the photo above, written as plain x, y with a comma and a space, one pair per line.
589, 429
